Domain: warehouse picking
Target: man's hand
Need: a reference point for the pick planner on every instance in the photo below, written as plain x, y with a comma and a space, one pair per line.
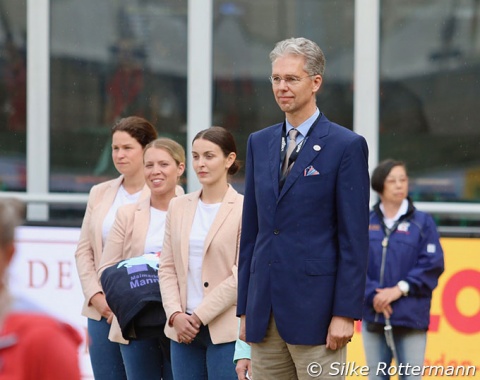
243, 367
340, 332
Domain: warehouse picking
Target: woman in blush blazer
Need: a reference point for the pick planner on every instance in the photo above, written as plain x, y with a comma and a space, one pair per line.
129, 136
198, 265
138, 230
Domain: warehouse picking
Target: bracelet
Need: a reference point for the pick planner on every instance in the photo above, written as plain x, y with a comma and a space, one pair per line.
170, 323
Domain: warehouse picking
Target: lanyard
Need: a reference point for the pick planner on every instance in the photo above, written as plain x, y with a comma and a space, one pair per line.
296, 152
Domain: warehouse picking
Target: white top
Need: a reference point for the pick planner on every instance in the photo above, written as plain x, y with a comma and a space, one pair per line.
156, 231
122, 198
204, 217
389, 222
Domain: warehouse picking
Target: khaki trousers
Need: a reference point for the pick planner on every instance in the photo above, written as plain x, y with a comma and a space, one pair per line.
275, 359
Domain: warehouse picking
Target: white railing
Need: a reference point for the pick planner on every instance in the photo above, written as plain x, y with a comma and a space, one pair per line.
46, 198
451, 208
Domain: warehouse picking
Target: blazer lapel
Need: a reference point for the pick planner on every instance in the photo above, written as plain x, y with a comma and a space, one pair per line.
104, 207
140, 227
145, 194
312, 148
225, 209
186, 227
274, 154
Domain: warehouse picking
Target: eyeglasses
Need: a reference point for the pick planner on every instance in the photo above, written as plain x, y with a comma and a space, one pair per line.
289, 80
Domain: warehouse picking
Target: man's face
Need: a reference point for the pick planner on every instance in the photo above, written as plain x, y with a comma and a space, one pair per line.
294, 97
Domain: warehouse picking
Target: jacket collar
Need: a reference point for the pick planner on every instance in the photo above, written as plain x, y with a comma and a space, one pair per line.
408, 215
311, 149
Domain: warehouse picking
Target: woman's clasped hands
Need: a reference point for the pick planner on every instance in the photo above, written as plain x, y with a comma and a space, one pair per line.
187, 327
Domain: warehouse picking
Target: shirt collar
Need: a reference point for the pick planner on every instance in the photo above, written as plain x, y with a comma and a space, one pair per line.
401, 211
305, 126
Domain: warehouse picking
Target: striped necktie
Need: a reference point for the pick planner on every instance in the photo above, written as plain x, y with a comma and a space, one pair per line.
292, 135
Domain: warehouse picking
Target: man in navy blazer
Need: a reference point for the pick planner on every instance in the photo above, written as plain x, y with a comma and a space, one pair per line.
304, 242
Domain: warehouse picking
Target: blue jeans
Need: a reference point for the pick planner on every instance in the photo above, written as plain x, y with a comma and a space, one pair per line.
410, 345
144, 359
203, 360
105, 356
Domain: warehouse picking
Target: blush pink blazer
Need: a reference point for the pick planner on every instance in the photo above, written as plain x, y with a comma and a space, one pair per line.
219, 268
90, 246
125, 240
128, 234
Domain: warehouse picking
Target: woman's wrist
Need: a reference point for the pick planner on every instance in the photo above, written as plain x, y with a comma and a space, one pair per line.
172, 318
197, 319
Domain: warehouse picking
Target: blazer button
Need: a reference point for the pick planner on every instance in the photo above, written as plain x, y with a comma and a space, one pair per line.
276, 232
205, 284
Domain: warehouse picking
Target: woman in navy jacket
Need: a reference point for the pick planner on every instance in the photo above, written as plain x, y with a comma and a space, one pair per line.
405, 262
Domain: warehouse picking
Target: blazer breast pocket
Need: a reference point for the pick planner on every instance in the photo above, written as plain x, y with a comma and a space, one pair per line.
310, 171
314, 178
315, 186
315, 173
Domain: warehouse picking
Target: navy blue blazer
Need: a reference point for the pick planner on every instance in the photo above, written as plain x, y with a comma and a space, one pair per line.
303, 250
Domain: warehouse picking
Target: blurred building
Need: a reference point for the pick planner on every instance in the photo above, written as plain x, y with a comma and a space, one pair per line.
69, 69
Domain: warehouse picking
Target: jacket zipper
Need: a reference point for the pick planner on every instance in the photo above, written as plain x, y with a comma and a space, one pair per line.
383, 262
